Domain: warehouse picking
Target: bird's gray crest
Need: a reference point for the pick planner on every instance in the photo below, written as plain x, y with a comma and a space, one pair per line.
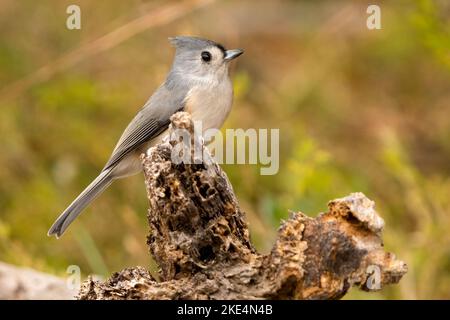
194, 43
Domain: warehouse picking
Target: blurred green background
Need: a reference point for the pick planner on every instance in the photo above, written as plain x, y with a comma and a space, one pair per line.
358, 110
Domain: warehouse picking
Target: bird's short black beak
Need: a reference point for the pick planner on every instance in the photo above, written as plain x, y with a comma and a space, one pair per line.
232, 54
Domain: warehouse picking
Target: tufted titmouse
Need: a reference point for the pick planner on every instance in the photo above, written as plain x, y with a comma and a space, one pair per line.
197, 83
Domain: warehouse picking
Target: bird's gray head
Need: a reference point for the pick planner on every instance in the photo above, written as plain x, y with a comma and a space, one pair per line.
198, 59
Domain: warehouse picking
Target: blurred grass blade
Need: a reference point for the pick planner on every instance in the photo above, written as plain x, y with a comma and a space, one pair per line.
91, 252
158, 17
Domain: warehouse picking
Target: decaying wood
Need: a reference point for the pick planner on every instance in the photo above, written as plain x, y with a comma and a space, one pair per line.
18, 283
199, 237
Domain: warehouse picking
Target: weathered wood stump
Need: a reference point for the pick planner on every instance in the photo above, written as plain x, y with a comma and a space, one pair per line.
200, 240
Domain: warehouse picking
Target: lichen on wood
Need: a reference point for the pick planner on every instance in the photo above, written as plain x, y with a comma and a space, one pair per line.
200, 239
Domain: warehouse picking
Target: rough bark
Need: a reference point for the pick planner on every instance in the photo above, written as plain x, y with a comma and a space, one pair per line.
200, 240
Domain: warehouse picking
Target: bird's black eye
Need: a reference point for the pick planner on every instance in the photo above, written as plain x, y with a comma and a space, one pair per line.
206, 56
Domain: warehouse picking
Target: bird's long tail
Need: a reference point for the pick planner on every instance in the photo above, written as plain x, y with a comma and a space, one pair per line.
82, 201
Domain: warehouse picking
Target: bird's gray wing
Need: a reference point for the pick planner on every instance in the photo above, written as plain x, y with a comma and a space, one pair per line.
151, 121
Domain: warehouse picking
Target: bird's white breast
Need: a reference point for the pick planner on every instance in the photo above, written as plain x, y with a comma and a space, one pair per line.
210, 103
